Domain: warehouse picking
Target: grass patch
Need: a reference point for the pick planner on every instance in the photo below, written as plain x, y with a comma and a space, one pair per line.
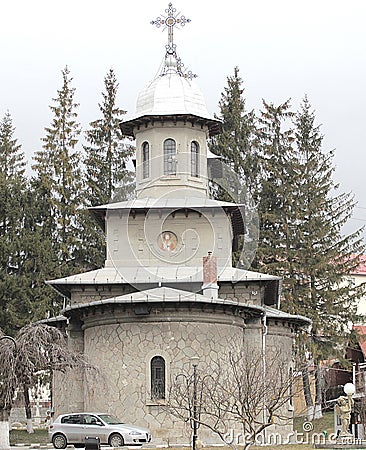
22, 437
326, 423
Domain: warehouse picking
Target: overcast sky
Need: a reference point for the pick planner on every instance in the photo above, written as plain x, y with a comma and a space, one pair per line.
284, 49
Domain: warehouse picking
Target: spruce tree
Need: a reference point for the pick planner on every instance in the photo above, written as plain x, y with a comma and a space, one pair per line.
323, 256
26, 252
41, 258
106, 168
235, 144
107, 154
275, 138
302, 218
58, 175
13, 302
238, 181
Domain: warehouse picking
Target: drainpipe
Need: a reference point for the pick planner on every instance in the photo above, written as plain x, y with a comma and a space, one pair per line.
264, 370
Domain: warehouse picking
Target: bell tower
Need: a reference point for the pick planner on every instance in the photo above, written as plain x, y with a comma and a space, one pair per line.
171, 126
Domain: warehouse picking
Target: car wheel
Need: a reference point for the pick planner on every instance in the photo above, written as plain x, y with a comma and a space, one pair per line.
115, 440
59, 441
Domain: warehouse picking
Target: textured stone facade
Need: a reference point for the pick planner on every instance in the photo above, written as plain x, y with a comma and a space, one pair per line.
121, 345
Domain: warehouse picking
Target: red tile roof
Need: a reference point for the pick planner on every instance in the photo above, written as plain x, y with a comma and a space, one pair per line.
361, 337
361, 269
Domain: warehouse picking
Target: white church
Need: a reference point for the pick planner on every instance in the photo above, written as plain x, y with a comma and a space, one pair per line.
168, 291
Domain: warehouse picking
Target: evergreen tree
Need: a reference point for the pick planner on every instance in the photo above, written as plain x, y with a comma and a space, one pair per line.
107, 174
301, 239
323, 256
25, 247
275, 140
41, 259
238, 180
58, 175
106, 153
13, 303
315, 284
235, 144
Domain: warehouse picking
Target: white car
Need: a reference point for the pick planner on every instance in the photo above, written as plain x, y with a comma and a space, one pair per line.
74, 428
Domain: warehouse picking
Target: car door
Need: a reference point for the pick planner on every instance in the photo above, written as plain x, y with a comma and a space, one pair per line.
93, 427
72, 428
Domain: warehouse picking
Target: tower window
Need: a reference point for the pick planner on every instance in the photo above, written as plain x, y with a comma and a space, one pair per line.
170, 163
194, 159
145, 160
157, 367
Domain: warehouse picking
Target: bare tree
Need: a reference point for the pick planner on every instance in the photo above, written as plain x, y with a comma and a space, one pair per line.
37, 347
243, 394
7, 386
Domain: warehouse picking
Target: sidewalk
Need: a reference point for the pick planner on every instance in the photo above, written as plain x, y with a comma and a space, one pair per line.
71, 447
35, 446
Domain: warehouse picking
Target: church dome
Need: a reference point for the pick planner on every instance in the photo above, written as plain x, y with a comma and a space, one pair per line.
171, 93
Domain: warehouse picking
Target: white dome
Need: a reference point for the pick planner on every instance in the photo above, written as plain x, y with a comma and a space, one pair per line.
171, 93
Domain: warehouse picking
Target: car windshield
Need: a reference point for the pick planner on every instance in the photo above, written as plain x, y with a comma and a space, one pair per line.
110, 420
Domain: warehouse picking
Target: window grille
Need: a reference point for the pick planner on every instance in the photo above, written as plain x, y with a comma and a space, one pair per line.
145, 160
157, 378
170, 162
194, 159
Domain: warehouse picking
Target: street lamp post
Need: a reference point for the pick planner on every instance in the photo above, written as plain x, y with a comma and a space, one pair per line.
191, 380
195, 424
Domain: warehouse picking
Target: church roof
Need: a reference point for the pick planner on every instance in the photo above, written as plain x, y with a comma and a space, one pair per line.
273, 313
149, 275
167, 294
171, 96
164, 294
188, 203
171, 93
168, 202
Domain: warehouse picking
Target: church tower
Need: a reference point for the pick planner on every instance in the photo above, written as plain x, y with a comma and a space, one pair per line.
168, 291
173, 221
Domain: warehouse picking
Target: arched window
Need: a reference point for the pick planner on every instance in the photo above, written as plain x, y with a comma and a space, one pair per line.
194, 159
157, 368
170, 163
145, 160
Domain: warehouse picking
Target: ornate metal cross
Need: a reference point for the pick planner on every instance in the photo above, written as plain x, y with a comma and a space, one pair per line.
169, 21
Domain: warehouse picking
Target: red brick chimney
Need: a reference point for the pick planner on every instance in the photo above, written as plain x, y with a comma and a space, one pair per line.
210, 287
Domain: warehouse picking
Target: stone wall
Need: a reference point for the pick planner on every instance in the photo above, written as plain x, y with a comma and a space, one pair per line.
121, 345
123, 352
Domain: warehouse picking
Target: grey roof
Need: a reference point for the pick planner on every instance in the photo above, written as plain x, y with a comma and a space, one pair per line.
236, 210
274, 313
164, 294
168, 202
153, 275
142, 275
